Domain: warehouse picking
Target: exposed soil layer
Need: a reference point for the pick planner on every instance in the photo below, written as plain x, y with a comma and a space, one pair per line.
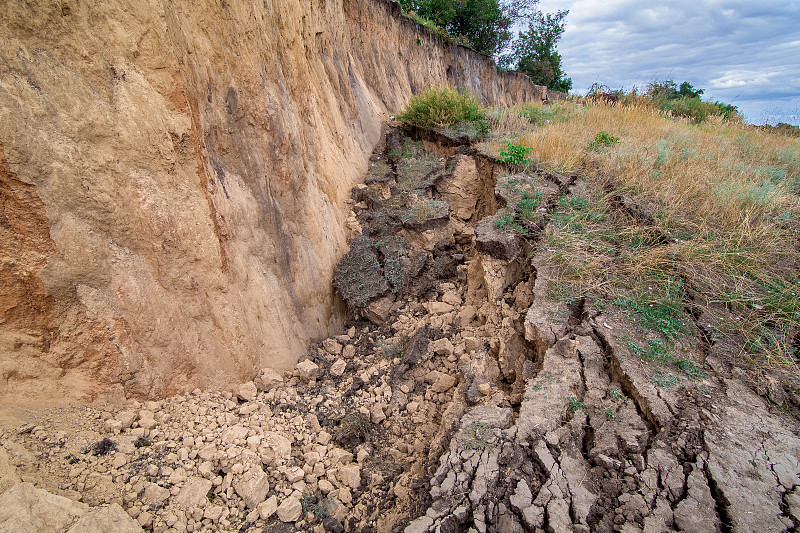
462, 397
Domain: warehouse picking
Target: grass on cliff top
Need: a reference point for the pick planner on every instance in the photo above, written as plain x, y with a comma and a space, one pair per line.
713, 207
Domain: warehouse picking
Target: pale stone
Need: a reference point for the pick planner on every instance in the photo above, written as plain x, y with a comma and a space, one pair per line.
332, 346
268, 507
194, 493
127, 418
349, 351
323, 437
344, 495
325, 486
247, 391
119, 460
99, 489
267, 379
147, 423
442, 347
377, 311
350, 475
290, 509
452, 298
233, 434
252, 486
154, 494
377, 414
294, 474
307, 370
213, 512
338, 367
443, 383
437, 308
206, 469
338, 455
105, 520
26, 509
8, 474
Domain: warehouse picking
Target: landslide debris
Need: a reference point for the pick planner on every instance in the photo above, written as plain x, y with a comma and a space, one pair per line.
466, 394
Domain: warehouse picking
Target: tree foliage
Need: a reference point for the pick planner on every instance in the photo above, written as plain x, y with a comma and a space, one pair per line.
534, 52
486, 25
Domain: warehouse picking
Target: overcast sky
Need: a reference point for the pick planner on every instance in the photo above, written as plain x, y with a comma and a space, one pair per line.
744, 52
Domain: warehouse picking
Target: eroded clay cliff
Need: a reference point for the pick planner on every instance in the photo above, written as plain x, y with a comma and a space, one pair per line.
173, 178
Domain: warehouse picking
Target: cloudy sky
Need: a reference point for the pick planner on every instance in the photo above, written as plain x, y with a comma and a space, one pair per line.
744, 52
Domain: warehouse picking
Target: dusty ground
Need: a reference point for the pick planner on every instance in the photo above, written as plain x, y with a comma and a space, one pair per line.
466, 398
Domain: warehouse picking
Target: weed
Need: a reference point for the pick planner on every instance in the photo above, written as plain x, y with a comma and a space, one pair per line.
318, 508
691, 369
618, 396
476, 436
354, 428
390, 351
611, 414
663, 379
529, 203
514, 154
503, 222
603, 140
574, 404
103, 447
426, 210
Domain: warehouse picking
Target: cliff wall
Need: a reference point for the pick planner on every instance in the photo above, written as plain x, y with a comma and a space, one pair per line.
173, 178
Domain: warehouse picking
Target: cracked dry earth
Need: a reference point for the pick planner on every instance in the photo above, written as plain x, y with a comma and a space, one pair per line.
462, 400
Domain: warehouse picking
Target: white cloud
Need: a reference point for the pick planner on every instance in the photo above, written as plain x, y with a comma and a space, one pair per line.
740, 51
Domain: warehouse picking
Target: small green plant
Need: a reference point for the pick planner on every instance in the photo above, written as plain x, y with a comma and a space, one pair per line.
476, 436
529, 203
514, 154
603, 140
483, 127
389, 351
611, 414
618, 396
663, 379
691, 369
574, 404
318, 508
503, 222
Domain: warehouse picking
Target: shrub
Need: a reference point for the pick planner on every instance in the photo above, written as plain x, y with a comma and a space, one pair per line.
441, 108
691, 108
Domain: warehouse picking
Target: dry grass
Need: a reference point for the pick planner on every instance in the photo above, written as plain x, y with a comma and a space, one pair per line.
726, 215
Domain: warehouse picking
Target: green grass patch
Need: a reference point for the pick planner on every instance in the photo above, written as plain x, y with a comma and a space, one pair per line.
441, 108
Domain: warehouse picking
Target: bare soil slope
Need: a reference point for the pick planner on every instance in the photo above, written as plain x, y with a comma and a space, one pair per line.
470, 401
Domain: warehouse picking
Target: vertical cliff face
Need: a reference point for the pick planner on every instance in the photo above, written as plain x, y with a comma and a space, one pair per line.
173, 177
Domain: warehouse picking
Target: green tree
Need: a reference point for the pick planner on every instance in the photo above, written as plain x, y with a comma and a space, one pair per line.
486, 24
687, 91
534, 51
